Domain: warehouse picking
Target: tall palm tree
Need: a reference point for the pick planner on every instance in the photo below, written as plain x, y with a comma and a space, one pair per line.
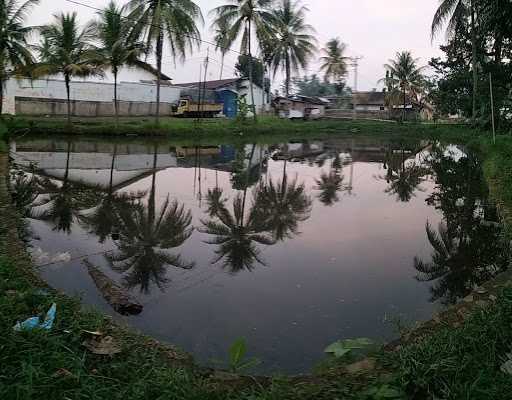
145, 236
66, 49
161, 20
294, 43
222, 42
456, 14
334, 62
116, 50
405, 74
14, 49
244, 17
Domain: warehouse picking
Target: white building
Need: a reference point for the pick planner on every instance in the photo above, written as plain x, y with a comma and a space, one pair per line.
92, 96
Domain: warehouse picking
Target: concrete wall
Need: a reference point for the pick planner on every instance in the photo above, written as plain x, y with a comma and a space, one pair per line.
90, 98
260, 96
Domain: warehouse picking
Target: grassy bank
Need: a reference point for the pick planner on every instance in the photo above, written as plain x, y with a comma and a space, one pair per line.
229, 130
457, 361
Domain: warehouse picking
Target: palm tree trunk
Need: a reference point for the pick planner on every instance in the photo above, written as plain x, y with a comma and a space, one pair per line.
159, 51
68, 93
405, 103
112, 166
222, 66
2, 83
116, 104
474, 59
250, 71
248, 176
152, 194
288, 72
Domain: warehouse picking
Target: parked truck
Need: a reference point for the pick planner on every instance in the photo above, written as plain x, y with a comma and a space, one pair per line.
188, 108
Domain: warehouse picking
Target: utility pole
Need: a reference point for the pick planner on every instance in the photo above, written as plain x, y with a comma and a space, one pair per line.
492, 110
206, 62
198, 95
355, 64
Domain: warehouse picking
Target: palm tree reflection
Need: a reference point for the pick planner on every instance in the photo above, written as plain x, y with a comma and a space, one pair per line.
103, 218
331, 183
145, 236
283, 206
469, 248
238, 235
66, 200
403, 176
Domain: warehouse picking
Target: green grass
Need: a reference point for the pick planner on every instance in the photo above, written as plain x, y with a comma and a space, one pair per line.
463, 362
223, 129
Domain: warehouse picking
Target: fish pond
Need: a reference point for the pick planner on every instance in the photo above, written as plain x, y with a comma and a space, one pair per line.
291, 246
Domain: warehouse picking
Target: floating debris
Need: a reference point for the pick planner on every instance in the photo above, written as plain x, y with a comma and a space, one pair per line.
121, 301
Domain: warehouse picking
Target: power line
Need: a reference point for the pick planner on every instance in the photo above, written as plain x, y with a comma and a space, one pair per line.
156, 26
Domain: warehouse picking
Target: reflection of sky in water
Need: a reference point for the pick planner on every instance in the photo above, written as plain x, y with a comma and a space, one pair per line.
351, 266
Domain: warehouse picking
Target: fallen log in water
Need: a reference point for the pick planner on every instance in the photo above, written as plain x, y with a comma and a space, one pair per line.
121, 301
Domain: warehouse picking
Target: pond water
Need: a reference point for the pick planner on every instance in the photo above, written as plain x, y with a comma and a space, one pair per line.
291, 246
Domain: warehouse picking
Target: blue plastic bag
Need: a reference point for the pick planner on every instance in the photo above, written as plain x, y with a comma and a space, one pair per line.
35, 322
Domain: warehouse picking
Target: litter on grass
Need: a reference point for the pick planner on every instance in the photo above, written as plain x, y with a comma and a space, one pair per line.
36, 323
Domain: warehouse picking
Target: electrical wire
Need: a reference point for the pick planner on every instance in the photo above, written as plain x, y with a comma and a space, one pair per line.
78, 3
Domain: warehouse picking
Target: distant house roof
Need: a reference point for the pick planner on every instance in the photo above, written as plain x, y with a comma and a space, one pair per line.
373, 98
210, 85
304, 99
152, 70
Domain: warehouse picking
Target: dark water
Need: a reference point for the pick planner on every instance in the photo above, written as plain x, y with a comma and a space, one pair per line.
291, 246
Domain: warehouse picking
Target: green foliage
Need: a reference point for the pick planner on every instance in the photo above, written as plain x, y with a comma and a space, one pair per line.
291, 40
334, 62
243, 109
258, 69
238, 361
313, 86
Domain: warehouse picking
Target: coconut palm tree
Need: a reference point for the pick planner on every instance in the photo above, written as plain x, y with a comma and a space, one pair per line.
456, 14
157, 21
334, 62
293, 40
244, 18
14, 49
222, 42
66, 49
116, 50
405, 74
145, 236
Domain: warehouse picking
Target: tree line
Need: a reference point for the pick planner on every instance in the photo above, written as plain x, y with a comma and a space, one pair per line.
121, 36
479, 37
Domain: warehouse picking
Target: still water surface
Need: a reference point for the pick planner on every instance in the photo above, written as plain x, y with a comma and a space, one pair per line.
291, 246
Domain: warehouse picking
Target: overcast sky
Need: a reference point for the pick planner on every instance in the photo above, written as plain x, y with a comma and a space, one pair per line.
373, 29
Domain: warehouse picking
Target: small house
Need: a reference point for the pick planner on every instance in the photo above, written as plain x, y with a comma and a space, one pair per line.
302, 105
